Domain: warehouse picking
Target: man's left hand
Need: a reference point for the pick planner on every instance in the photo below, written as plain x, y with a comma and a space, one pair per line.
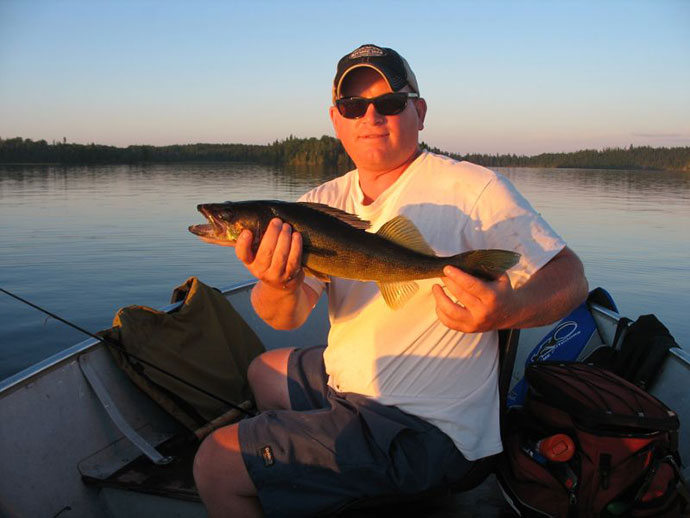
481, 305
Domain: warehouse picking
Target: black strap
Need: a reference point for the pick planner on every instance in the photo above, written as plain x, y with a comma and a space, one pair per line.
622, 326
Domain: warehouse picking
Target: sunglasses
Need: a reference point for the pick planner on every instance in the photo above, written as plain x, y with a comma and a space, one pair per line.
386, 104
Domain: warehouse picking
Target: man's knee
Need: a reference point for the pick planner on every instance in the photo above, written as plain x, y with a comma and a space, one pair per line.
255, 370
218, 461
221, 477
202, 465
269, 365
267, 376
205, 464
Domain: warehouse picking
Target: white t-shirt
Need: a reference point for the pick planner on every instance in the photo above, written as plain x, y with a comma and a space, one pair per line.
407, 357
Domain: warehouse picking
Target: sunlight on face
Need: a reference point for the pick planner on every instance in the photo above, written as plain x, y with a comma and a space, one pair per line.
377, 142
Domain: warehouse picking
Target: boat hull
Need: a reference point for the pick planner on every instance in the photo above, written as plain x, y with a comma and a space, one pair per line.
56, 432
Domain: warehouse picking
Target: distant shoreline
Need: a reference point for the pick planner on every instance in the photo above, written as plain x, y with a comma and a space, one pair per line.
314, 167
324, 152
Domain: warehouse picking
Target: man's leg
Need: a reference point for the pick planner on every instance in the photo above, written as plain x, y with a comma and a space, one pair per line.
267, 376
219, 471
221, 476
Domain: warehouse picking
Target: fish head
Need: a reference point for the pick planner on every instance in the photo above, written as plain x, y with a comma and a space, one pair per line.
226, 221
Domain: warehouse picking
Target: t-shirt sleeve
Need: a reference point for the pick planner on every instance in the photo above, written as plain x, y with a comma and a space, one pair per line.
503, 218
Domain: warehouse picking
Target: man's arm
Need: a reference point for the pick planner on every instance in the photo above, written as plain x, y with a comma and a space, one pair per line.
548, 295
280, 296
283, 309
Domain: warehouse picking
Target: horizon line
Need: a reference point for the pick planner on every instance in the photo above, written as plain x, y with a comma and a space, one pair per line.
421, 143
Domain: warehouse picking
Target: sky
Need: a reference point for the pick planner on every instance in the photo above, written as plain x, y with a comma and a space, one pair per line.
520, 77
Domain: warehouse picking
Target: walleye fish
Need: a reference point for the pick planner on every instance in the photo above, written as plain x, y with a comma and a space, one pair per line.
335, 243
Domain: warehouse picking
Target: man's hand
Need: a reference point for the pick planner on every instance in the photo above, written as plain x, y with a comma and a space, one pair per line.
280, 297
278, 260
481, 306
549, 294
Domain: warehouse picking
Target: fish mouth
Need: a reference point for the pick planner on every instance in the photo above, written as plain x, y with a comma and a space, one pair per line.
213, 232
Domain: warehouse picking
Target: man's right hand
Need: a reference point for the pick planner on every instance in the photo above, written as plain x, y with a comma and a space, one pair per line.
278, 259
280, 298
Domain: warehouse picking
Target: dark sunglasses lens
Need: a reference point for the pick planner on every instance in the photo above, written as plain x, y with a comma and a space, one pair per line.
391, 104
352, 108
387, 104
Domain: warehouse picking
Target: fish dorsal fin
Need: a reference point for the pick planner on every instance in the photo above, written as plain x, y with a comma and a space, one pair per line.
396, 294
351, 219
402, 231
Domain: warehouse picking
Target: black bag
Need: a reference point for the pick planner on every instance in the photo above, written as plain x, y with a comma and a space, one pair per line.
625, 460
641, 353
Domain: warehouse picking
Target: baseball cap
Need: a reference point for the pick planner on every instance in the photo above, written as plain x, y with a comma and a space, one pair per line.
387, 62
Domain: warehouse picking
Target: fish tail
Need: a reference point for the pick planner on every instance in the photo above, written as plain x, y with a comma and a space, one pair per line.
485, 264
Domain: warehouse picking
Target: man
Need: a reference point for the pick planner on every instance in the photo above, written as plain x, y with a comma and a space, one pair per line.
408, 398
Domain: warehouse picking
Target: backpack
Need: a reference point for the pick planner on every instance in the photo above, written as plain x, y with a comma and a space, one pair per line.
623, 458
205, 341
572, 338
638, 351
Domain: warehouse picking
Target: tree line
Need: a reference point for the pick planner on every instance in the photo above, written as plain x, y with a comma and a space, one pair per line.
324, 152
632, 157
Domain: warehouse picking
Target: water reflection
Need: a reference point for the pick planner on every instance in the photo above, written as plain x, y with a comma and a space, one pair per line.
84, 241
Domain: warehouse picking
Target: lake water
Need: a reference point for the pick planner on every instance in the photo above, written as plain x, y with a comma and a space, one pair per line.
84, 241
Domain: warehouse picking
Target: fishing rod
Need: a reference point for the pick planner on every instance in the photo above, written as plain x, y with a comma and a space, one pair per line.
117, 345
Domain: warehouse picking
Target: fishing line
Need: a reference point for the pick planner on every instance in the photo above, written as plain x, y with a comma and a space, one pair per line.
114, 343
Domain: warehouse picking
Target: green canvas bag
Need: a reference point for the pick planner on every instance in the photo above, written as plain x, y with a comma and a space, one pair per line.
205, 342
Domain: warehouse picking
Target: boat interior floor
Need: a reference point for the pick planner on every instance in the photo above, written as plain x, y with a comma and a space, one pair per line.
172, 480
175, 481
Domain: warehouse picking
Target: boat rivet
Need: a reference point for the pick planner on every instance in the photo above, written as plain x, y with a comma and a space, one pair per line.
165, 460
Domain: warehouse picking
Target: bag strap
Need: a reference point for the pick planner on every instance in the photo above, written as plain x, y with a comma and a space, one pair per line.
621, 328
681, 486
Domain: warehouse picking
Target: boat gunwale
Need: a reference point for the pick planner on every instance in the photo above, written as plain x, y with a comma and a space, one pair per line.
678, 352
22, 377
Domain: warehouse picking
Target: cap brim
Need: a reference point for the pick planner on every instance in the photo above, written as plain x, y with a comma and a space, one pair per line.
393, 80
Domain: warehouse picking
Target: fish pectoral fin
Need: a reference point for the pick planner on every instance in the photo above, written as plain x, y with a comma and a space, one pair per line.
402, 231
396, 294
321, 276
